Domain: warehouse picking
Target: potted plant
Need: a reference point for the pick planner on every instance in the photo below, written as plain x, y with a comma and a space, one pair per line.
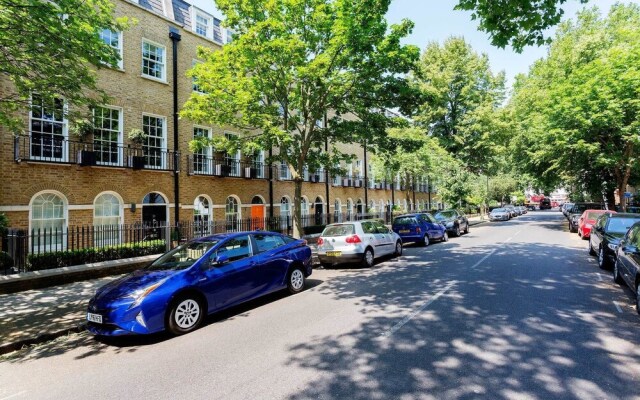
81, 129
138, 137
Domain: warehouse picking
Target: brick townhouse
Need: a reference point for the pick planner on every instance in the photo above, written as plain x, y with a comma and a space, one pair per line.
49, 179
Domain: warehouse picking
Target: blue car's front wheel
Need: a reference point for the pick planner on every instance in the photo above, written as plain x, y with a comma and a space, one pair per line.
185, 316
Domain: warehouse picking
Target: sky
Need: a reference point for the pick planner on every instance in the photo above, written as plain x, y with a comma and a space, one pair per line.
435, 20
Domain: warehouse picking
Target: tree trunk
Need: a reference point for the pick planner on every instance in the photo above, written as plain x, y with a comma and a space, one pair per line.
611, 199
297, 212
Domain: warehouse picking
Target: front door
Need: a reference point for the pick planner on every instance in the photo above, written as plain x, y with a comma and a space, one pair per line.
257, 216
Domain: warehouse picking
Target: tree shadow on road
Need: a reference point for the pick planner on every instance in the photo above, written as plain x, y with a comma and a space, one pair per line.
506, 329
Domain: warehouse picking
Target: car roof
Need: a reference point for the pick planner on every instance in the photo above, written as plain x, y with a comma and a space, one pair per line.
625, 215
222, 236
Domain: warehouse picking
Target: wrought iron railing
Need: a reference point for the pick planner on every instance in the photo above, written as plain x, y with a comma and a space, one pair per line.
58, 150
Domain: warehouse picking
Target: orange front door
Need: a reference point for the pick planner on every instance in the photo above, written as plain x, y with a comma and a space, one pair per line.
257, 216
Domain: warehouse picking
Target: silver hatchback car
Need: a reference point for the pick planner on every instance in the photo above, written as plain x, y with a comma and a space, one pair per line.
357, 242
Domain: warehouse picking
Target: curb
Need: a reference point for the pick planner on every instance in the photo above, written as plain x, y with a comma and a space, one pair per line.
42, 338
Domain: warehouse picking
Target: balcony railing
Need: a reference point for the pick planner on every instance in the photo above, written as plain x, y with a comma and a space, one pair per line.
58, 150
210, 166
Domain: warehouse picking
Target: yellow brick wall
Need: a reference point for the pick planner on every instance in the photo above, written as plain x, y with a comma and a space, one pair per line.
20, 182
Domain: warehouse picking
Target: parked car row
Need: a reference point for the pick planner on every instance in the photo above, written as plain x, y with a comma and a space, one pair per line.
213, 273
614, 238
364, 241
507, 212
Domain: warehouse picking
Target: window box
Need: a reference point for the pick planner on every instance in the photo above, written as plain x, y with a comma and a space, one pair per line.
87, 158
137, 162
251, 172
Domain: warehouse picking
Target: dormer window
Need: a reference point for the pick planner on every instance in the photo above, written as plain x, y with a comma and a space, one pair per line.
203, 24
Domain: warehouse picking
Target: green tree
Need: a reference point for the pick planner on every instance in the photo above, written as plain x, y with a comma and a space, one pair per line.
462, 99
52, 48
578, 110
293, 62
518, 23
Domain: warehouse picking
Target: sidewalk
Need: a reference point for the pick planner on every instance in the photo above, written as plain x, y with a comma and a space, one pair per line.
39, 315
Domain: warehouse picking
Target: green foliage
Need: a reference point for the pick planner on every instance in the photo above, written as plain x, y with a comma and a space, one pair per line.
518, 23
49, 47
462, 99
294, 63
59, 259
137, 136
577, 113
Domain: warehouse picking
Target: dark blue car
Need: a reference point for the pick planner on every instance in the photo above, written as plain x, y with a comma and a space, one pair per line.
420, 228
200, 277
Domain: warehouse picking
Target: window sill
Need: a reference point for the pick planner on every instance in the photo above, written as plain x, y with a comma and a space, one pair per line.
151, 78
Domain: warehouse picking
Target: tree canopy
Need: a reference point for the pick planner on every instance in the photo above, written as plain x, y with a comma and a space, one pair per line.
52, 48
578, 111
292, 63
462, 98
518, 23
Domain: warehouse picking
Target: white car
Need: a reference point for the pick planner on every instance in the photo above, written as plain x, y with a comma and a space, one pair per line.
357, 242
500, 214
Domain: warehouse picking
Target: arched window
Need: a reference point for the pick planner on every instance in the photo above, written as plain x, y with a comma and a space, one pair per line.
337, 210
48, 221
257, 200
202, 215
232, 213
107, 218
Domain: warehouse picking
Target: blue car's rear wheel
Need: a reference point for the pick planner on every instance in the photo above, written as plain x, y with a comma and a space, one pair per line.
295, 281
185, 316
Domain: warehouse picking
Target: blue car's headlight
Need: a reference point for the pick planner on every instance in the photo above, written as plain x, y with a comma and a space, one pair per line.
612, 246
140, 294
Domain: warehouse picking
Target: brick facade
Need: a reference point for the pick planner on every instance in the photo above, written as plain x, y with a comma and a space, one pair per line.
135, 95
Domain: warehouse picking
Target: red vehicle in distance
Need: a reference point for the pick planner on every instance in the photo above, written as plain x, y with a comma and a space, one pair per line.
587, 219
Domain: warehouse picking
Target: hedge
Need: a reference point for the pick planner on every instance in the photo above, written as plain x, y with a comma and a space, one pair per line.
58, 259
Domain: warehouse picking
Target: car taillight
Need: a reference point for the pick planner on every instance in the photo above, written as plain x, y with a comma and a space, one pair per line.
353, 239
320, 241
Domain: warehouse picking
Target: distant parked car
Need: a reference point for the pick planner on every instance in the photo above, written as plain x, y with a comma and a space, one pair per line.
606, 234
565, 208
499, 214
455, 221
576, 211
627, 266
357, 242
586, 221
197, 278
512, 210
420, 228
545, 204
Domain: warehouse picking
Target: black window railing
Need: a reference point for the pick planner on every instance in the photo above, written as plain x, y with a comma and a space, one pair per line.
54, 150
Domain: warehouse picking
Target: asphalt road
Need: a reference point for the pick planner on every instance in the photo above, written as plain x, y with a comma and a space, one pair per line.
513, 310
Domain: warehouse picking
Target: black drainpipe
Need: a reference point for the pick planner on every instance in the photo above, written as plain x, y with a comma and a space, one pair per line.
326, 172
175, 37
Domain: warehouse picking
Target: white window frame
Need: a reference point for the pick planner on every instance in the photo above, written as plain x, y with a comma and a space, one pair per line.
206, 152
112, 237
119, 47
208, 24
163, 77
65, 133
217, 29
233, 218
234, 159
65, 222
194, 87
119, 142
163, 148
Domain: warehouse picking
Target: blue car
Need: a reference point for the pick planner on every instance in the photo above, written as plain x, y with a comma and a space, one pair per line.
200, 277
420, 228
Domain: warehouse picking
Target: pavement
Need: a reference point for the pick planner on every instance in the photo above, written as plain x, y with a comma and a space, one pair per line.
36, 316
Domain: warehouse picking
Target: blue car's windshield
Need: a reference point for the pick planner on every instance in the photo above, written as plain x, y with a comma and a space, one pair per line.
182, 256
